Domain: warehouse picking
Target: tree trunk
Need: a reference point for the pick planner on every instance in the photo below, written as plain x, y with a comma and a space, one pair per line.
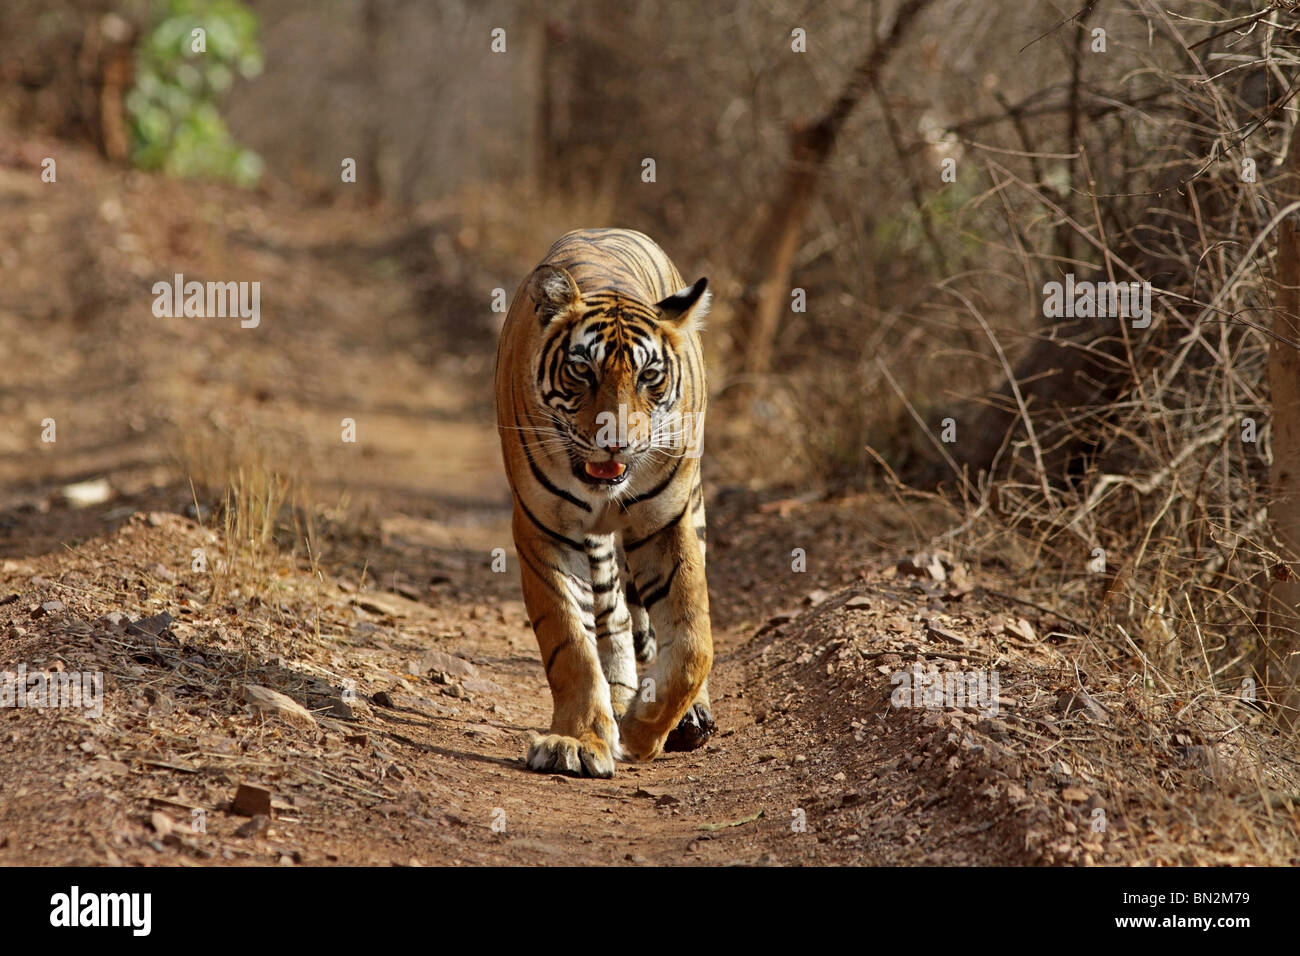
1280, 672
772, 255
106, 62
372, 29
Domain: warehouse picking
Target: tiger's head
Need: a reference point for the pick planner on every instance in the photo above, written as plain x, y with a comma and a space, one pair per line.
614, 374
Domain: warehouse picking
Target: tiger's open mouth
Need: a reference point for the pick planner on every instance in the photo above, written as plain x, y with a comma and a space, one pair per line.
602, 472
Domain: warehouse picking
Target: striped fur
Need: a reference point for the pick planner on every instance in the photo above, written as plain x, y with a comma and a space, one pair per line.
600, 394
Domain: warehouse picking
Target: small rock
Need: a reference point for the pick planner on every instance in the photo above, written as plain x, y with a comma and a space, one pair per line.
151, 626
85, 494
389, 605
383, 699
344, 709
251, 801
272, 703
15, 632
254, 826
162, 824
996, 729
408, 592
859, 600
944, 635
164, 573
1074, 795
443, 663
476, 685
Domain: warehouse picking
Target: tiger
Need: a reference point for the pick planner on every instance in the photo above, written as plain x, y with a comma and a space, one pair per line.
600, 395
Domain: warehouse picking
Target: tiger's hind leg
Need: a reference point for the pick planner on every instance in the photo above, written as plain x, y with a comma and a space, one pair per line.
693, 730
614, 623
696, 727
668, 568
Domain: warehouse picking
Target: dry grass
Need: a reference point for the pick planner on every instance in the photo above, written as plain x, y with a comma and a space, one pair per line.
268, 525
1169, 488
1151, 466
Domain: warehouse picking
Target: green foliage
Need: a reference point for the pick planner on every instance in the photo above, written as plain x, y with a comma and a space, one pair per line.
175, 124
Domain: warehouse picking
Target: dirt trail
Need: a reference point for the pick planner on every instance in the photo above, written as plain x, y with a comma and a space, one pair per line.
395, 599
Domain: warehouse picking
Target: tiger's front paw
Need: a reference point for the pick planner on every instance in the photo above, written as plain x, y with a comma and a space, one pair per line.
555, 753
692, 731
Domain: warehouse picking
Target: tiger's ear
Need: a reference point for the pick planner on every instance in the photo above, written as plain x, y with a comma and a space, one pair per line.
553, 291
686, 307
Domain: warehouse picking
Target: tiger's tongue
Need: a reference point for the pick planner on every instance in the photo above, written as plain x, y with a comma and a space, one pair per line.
606, 470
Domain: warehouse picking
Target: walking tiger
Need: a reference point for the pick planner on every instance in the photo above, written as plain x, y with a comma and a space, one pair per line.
600, 398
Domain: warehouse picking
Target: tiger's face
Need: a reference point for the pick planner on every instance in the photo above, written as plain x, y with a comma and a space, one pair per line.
610, 376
